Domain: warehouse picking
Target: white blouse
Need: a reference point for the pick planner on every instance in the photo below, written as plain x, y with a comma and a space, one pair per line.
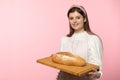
85, 45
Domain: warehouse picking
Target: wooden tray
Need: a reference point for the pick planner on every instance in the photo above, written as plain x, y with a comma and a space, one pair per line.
75, 70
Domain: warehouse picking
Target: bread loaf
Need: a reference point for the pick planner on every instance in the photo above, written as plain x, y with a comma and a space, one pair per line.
67, 58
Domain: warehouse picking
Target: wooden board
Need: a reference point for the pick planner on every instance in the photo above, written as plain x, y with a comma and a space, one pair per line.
75, 70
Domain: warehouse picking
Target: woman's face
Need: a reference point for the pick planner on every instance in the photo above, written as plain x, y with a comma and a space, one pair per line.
76, 21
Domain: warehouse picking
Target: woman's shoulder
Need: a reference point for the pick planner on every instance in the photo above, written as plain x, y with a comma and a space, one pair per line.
94, 38
64, 38
95, 41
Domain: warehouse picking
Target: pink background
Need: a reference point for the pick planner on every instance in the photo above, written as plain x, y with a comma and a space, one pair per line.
32, 29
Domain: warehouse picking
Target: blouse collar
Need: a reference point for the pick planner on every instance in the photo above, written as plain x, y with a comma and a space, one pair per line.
79, 35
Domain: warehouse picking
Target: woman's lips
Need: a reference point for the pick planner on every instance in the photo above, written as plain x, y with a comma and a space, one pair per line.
75, 25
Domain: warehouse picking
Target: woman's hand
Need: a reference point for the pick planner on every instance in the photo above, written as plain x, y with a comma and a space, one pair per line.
94, 74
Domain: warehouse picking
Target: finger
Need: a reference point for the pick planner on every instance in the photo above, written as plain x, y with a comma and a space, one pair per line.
94, 70
90, 72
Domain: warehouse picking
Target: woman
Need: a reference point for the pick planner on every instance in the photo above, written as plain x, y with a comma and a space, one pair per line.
83, 42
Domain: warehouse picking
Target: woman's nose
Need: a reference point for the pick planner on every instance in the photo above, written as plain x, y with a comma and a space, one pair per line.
74, 20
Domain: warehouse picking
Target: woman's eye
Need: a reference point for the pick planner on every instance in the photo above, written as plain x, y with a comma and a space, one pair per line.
71, 18
78, 17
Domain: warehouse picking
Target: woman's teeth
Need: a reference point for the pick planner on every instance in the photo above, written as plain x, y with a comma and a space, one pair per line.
75, 25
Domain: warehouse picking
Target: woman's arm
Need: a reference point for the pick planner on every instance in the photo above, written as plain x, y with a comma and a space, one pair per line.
95, 55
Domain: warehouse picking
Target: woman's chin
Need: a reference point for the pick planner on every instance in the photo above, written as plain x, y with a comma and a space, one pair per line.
75, 27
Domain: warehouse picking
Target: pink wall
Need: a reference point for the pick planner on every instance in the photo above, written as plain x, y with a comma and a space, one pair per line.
31, 29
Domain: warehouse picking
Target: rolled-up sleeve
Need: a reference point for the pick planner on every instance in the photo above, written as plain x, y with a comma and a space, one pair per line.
95, 51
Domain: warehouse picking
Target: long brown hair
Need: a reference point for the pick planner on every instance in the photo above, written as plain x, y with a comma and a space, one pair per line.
83, 12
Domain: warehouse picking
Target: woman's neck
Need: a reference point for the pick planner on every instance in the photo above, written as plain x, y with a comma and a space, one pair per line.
79, 31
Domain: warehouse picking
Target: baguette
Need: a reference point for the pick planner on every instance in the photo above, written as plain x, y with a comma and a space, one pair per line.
66, 58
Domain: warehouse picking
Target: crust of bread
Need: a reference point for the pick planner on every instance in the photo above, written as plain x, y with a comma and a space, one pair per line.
66, 58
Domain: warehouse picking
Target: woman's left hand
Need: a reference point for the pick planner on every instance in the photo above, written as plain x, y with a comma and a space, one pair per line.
94, 74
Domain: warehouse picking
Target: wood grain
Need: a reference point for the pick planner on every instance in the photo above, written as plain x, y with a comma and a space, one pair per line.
75, 70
